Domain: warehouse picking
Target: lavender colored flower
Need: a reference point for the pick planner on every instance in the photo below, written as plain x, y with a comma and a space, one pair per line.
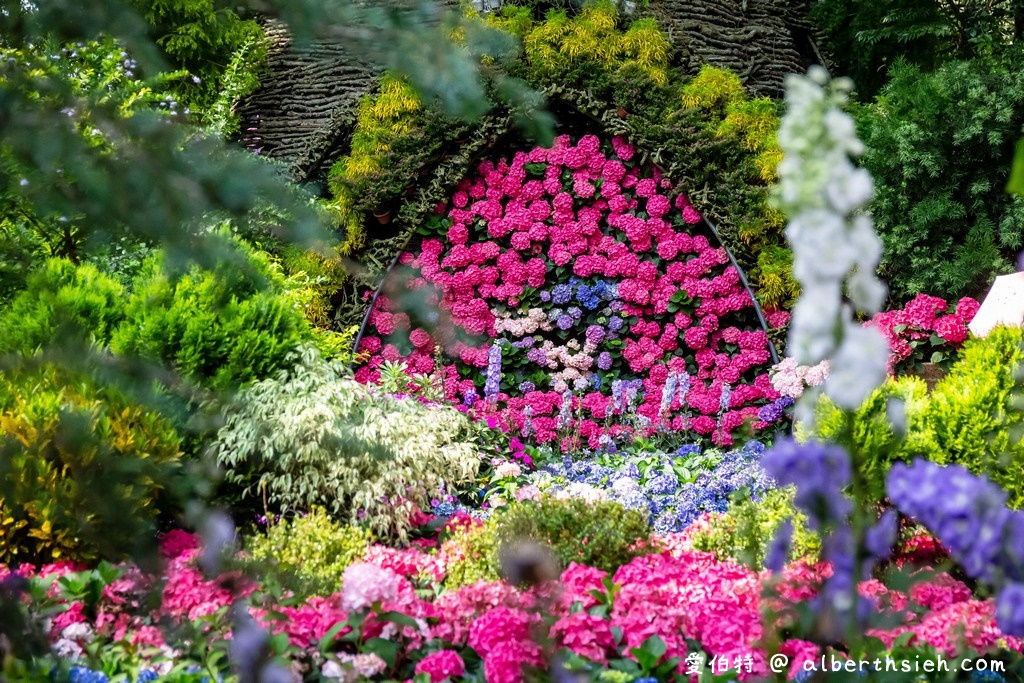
881, 537
575, 312
604, 360
565, 411
526, 387
778, 550
492, 385
820, 472
564, 322
1010, 609
618, 394
545, 296
469, 397
668, 392
683, 388
595, 334
580, 384
561, 294
726, 397
615, 324
774, 411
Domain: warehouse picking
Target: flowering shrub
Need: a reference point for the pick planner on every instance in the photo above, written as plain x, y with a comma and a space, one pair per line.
577, 284
924, 331
666, 606
673, 489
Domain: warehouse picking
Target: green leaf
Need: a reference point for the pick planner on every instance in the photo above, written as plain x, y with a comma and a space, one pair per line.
385, 649
329, 637
1015, 185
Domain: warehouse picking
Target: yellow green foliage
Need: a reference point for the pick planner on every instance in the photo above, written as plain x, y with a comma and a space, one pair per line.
471, 555
312, 279
561, 42
308, 554
713, 89
81, 467
753, 123
970, 418
745, 531
383, 117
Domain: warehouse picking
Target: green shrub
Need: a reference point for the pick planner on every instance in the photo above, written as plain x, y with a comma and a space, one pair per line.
939, 147
82, 468
602, 534
61, 298
870, 429
312, 435
970, 418
308, 554
221, 328
745, 531
472, 555
198, 36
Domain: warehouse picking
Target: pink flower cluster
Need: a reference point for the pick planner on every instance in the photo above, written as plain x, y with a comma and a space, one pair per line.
911, 330
677, 594
583, 269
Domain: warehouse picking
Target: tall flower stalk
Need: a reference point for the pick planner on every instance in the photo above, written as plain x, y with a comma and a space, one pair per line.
835, 248
835, 258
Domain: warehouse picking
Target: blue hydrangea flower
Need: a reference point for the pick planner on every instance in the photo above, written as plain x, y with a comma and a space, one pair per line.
661, 484
561, 294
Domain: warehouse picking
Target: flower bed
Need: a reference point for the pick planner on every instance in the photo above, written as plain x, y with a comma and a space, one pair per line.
577, 283
394, 619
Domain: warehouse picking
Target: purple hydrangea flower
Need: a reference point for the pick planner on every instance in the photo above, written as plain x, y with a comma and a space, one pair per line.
774, 411
595, 334
526, 387
564, 322
469, 397
545, 296
604, 360
1010, 609
820, 473
967, 513
615, 324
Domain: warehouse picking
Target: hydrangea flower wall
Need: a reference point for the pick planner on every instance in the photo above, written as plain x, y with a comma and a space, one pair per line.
580, 290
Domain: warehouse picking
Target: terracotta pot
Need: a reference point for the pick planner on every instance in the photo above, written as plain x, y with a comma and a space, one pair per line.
383, 217
621, 113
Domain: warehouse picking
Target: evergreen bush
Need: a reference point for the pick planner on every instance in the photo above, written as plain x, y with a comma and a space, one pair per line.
61, 299
220, 328
940, 146
602, 534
